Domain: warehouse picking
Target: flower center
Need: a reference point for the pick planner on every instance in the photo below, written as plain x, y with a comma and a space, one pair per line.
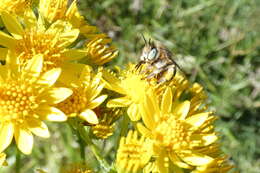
135, 87
17, 102
36, 42
75, 103
173, 134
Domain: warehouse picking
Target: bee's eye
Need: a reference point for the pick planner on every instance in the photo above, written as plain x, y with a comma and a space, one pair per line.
152, 54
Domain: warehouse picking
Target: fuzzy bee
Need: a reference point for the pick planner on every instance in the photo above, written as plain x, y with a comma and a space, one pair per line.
159, 62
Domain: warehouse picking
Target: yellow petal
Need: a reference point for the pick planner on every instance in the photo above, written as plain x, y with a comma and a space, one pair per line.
196, 159
24, 140
70, 72
182, 109
119, 102
34, 67
148, 113
144, 131
50, 77
96, 102
56, 95
3, 53
6, 135
95, 92
89, 116
73, 54
134, 112
40, 130
176, 160
12, 25
198, 119
7, 41
209, 139
51, 113
166, 104
30, 19
70, 36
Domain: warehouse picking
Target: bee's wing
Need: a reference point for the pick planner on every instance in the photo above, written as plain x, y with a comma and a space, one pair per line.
170, 56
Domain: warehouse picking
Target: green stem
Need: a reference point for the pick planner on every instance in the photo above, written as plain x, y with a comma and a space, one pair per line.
82, 147
17, 161
124, 129
93, 148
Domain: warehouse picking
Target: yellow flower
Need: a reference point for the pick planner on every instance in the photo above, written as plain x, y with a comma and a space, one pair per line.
219, 164
53, 10
133, 153
75, 168
177, 135
98, 50
34, 38
15, 6
85, 97
107, 117
132, 88
27, 97
2, 159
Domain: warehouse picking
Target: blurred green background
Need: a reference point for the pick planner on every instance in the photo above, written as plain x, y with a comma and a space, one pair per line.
217, 42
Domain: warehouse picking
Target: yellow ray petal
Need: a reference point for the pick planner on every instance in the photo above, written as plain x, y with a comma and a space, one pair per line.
96, 102
89, 116
34, 67
148, 113
133, 112
144, 131
40, 130
96, 92
12, 25
198, 119
7, 41
30, 19
119, 102
50, 77
196, 159
69, 36
166, 104
176, 160
73, 54
51, 113
56, 95
3, 53
24, 140
6, 135
182, 109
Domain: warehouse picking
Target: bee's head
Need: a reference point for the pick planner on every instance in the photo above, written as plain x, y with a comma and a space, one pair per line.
149, 52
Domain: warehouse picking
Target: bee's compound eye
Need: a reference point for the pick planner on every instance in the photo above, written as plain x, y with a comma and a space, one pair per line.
152, 54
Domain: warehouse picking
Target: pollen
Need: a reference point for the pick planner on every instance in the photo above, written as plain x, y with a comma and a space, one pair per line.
75, 103
135, 87
17, 101
35, 42
173, 134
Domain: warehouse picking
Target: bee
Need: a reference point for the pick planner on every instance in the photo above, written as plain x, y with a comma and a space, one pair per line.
159, 62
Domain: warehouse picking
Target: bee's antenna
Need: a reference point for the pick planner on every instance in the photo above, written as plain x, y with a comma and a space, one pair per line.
145, 42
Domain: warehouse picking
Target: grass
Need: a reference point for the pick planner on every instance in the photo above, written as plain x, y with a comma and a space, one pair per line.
216, 42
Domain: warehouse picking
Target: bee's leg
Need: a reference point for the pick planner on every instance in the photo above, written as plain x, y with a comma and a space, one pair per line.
139, 64
169, 70
155, 73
